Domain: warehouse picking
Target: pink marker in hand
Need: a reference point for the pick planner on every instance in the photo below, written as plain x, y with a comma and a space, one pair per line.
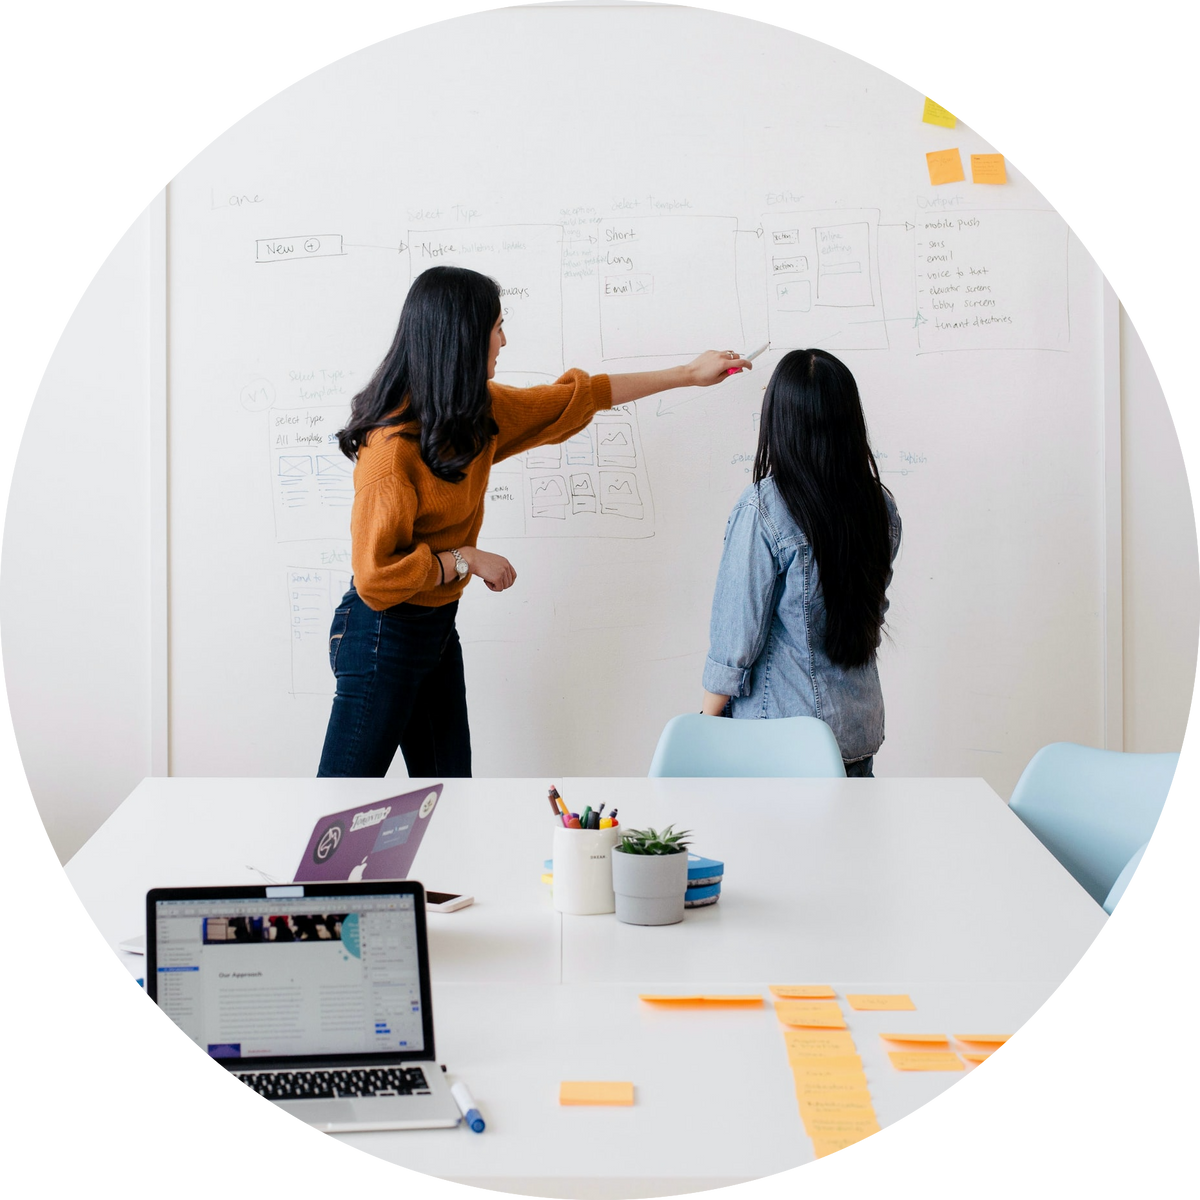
751, 357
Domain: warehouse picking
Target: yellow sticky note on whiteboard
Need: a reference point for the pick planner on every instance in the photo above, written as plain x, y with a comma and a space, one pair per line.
988, 168
945, 166
878, 1003
916, 1060
935, 114
805, 991
821, 1014
824, 1042
595, 1092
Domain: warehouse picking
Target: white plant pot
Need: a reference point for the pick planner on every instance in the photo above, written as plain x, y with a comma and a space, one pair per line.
583, 882
649, 888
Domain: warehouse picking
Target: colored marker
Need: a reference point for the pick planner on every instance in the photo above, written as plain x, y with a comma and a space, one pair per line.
585, 820
750, 357
467, 1106
573, 823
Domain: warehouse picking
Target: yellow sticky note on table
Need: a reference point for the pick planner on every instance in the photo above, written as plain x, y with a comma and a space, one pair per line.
595, 1092
973, 1056
744, 1001
827, 1066
803, 991
935, 114
820, 1014
916, 1060
945, 166
988, 168
808, 1042
825, 1144
918, 1039
859, 1124
983, 1039
880, 1003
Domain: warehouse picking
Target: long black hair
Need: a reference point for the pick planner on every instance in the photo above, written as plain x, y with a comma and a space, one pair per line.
812, 440
435, 374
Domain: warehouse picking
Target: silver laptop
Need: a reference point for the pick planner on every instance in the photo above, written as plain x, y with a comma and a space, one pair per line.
315, 995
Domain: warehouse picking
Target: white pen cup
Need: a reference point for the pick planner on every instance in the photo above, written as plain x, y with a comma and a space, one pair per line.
583, 870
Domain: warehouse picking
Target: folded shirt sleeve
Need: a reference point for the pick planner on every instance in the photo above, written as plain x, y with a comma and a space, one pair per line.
389, 567
743, 603
545, 415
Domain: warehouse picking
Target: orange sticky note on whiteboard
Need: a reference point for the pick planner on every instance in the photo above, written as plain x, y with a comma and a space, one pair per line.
876, 1003
945, 166
819, 1014
988, 168
935, 114
595, 1092
805, 991
905, 1060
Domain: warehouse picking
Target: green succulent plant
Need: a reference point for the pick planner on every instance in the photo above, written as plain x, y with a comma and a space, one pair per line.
651, 841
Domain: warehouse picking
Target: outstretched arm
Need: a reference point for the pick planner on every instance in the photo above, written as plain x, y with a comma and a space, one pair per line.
711, 367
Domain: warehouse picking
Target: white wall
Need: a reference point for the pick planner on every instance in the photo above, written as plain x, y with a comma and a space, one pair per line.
75, 596
1160, 574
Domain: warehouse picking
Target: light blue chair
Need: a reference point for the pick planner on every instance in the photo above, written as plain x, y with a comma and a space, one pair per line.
1093, 808
1118, 888
783, 747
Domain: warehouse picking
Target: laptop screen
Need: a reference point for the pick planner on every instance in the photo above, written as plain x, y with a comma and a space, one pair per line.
291, 976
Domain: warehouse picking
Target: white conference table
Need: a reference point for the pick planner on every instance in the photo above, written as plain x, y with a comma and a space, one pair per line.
925, 886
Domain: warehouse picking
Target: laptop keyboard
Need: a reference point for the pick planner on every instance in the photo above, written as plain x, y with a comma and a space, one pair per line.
334, 1083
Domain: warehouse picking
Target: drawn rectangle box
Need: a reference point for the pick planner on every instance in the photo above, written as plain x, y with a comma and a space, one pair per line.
841, 251
639, 284
792, 264
794, 296
290, 249
583, 493
619, 495
580, 452
544, 458
614, 444
785, 237
548, 496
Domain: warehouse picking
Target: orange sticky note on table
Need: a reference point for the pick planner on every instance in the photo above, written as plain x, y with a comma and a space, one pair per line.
945, 166
923, 1039
973, 1056
988, 168
915, 1060
983, 1039
877, 1003
820, 1014
825, 1144
595, 1092
824, 1042
825, 1124
827, 1066
803, 991
935, 114
836, 1087
745, 1001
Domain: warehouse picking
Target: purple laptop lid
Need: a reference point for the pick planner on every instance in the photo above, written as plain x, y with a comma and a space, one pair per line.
378, 840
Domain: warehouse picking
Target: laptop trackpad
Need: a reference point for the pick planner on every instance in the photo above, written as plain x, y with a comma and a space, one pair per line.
371, 1110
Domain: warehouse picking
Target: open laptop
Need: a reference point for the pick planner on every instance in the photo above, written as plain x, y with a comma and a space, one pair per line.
315, 995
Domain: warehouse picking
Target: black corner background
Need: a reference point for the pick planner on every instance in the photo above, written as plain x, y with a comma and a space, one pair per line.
102, 108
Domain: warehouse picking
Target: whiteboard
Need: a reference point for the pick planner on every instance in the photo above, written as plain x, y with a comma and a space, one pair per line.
636, 207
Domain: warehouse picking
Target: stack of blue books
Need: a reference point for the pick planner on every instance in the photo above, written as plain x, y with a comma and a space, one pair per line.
704, 881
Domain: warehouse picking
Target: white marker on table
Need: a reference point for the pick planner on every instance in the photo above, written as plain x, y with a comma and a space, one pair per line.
467, 1105
750, 357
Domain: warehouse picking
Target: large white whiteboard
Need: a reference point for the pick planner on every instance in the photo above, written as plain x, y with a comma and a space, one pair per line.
637, 207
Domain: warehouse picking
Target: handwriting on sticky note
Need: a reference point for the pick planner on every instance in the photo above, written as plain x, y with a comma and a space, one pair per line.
880, 1003
935, 114
983, 1039
744, 1001
595, 1092
922, 1039
840, 1124
988, 168
916, 1060
803, 991
808, 1042
819, 1014
837, 1087
945, 166
825, 1144
827, 1066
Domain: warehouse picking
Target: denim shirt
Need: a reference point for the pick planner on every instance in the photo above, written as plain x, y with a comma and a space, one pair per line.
767, 638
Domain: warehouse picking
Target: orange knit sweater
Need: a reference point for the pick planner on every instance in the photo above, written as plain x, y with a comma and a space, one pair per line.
404, 514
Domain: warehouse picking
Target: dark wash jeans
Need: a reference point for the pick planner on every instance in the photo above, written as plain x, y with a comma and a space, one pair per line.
399, 684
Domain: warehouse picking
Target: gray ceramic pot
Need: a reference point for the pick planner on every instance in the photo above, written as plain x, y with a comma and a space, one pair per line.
649, 888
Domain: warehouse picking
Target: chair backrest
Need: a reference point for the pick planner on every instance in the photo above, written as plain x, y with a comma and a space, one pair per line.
1093, 808
785, 747
1118, 888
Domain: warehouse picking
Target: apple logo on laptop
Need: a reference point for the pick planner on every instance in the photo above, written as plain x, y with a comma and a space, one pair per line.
356, 873
427, 804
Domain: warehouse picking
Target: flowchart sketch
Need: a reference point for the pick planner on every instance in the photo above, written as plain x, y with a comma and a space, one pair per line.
526, 261
312, 595
992, 279
312, 481
823, 280
668, 286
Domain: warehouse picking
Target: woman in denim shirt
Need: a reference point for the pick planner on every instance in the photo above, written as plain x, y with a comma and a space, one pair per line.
801, 593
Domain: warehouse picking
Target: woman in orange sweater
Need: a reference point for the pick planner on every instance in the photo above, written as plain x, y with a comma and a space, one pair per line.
424, 433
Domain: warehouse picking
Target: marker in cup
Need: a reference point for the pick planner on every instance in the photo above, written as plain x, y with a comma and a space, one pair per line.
750, 357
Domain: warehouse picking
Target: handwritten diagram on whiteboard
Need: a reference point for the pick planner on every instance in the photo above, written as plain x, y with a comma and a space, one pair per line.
313, 593
593, 485
992, 279
312, 481
822, 281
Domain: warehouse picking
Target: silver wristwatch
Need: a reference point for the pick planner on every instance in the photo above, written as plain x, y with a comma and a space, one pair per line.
460, 566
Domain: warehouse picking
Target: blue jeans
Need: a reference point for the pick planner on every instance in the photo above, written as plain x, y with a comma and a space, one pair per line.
399, 684
863, 769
